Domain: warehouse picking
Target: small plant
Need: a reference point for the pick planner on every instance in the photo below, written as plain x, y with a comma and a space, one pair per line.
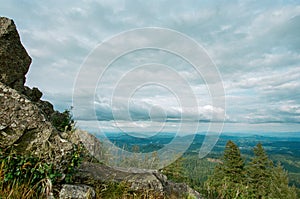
75, 160
189, 196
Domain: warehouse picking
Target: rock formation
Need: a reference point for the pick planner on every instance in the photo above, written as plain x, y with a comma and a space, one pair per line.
14, 60
25, 124
22, 124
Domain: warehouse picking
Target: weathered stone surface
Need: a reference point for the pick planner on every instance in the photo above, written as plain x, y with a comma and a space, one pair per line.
90, 142
33, 94
21, 122
93, 173
180, 190
23, 126
14, 64
69, 191
14, 60
46, 107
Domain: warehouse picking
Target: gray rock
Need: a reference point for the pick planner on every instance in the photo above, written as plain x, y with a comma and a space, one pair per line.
22, 123
180, 190
93, 173
46, 107
14, 64
76, 192
90, 142
25, 127
33, 94
14, 60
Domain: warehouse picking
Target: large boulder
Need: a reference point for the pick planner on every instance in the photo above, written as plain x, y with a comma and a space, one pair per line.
14, 60
93, 172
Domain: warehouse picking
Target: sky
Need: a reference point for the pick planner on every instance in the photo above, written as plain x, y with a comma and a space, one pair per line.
254, 47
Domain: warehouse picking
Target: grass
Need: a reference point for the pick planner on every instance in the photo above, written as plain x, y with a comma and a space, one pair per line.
15, 189
24, 176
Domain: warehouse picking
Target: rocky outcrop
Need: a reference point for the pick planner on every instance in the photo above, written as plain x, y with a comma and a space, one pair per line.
14, 60
14, 64
93, 174
90, 142
21, 124
24, 123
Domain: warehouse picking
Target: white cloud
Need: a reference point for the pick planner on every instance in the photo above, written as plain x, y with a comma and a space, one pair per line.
254, 44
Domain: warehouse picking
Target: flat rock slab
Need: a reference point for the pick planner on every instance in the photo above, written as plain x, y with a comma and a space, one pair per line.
93, 173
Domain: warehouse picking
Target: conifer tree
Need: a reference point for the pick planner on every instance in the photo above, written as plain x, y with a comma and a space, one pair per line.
233, 163
227, 180
280, 184
175, 171
260, 172
259, 179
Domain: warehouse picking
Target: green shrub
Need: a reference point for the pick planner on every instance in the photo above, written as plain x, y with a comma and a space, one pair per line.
35, 175
62, 121
26, 172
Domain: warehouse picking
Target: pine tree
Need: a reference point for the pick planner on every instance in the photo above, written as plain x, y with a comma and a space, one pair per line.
260, 179
175, 171
280, 184
228, 177
259, 172
233, 163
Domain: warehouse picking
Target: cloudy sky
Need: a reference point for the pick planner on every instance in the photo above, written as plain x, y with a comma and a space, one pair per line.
255, 46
